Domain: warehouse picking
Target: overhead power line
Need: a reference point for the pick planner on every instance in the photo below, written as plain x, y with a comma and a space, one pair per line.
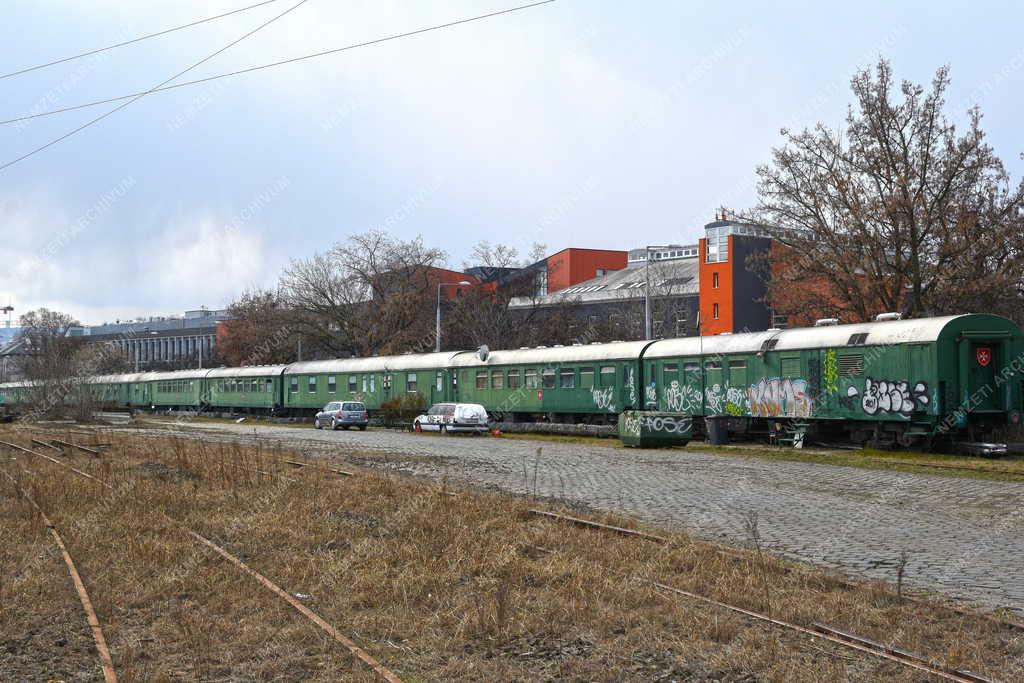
133, 40
165, 87
143, 94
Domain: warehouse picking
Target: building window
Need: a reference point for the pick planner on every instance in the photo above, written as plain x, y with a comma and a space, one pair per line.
599, 272
412, 383
530, 378
293, 387
549, 378
541, 282
714, 311
332, 384
513, 379
714, 280
717, 245
497, 379
481, 379
567, 379
312, 385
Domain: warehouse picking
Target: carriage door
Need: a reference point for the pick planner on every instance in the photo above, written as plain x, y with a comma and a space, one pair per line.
982, 362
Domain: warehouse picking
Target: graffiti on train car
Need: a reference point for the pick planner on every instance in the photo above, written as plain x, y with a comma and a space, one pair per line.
780, 397
682, 398
892, 397
604, 399
631, 384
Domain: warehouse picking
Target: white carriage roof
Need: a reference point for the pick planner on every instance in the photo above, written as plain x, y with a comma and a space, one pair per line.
878, 334
555, 354
248, 371
411, 361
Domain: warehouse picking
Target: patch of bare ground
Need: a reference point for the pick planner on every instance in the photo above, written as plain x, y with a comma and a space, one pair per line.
435, 586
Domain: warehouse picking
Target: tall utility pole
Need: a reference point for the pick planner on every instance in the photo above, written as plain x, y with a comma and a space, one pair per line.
647, 290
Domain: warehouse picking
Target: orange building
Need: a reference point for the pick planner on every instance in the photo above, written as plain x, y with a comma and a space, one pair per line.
572, 266
732, 293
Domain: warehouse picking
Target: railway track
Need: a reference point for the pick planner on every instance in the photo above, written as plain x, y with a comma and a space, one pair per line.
816, 630
362, 655
833, 635
106, 663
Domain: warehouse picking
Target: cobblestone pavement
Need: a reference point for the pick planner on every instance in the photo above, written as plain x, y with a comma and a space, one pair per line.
962, 537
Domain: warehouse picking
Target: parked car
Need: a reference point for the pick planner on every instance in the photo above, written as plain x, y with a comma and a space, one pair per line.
453, 417
343, 414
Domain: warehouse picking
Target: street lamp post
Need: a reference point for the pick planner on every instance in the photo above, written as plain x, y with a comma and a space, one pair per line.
437, 330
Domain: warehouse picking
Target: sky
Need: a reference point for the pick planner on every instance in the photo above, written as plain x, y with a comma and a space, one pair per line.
581, 123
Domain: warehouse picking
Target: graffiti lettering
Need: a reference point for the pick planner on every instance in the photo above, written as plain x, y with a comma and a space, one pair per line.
780, 397
736, 403
713, 399
682, 398
893, 397
631, 383
661, 424
604, 399
651, 395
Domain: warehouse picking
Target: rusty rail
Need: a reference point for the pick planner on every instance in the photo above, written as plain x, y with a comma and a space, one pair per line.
106, 663
597, 525
55, 461
47, 445
90, 451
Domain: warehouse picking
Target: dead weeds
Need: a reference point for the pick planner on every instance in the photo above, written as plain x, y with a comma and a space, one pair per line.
438, 587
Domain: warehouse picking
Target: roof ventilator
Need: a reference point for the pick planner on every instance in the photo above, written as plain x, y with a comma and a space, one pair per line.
885, 317
826, 322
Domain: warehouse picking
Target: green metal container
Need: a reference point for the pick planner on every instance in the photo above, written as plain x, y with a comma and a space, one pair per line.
654, 429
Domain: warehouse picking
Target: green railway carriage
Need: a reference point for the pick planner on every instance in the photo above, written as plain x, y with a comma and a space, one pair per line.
893, 381
423, 378
178, 389
114, 390
592, 382
253, 388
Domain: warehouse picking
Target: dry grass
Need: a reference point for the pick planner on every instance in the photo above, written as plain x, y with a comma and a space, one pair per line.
438, 587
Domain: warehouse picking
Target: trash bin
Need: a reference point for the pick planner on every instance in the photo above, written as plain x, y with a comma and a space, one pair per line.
718, 429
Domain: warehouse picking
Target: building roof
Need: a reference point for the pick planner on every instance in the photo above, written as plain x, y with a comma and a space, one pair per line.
675, 278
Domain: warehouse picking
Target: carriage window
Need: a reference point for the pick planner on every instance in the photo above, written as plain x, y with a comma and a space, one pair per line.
352, 382
497, 379
670, 371
608, 376
440, 381
549, 378
332, 384
691, 367
293, 387
312, 385
268, 385
737, 372
373, 384
568, 379
587, 378
790, 367
712, 365
530, 378
365, 383
513, 379
481, 379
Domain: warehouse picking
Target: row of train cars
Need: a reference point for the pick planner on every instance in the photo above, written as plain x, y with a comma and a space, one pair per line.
891, 381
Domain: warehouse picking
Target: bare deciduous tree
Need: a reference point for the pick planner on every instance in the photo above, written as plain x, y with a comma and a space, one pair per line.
898, 212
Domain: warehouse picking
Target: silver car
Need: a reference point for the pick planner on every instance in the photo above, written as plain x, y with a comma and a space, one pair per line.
343, 414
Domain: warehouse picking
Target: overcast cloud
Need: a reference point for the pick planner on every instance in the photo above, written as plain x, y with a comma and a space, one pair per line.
590, 124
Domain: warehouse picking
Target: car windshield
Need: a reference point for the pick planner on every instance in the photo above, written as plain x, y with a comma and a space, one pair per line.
442, 409
330, 406
353, 406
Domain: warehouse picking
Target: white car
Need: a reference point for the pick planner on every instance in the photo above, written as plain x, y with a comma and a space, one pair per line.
453, 417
